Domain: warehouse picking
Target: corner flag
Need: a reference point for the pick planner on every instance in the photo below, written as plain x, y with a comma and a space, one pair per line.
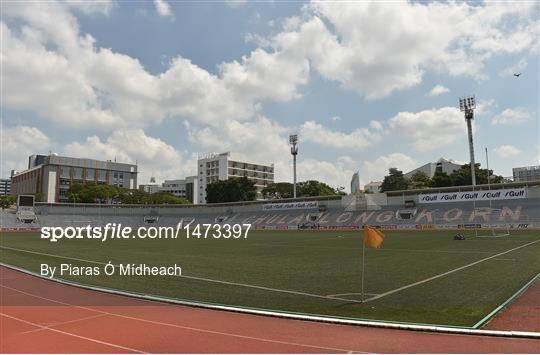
372, 237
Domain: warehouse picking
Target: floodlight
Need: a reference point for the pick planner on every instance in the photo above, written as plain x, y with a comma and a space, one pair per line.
293, 139
467, 103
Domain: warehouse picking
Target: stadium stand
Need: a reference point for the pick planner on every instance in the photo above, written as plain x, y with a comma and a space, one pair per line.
346, 212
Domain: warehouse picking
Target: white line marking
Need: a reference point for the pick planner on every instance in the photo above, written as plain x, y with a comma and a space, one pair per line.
66, 322
447, 273
73, 335
173, 325
437, 251
55, 301
304, 317
352, 294
310, 246
300, 293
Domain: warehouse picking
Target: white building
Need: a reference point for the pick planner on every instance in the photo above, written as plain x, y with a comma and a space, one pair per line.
445, 165
355, 183
526, 173
213, 167
373, 187
149, 188
185, 188
5, 187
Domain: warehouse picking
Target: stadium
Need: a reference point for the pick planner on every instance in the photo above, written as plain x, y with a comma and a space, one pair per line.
175, 177
303, 258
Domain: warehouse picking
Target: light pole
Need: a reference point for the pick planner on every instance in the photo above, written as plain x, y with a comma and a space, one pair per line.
293, 140
467, 104
488, 173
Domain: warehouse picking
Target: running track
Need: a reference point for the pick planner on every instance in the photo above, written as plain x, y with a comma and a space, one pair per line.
523, 314
39, 316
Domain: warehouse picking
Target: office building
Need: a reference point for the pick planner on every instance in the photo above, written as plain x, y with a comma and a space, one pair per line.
5, 187
443, 165
355, 183
526, 173
185, 188
373, 187
213, 167
51, 175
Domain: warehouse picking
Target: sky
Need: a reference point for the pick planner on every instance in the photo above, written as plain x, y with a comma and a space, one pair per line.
366, 85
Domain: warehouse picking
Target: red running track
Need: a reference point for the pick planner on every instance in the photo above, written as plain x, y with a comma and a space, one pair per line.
40, 316
521, 315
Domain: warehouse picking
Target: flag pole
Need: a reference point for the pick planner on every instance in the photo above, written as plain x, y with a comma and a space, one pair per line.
363, 262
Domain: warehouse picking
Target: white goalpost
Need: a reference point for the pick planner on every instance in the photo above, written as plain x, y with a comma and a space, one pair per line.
494, 230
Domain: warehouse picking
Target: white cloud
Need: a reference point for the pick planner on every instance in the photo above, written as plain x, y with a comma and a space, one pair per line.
511, 117
438, 90
375, 48
536, 155
371, 48
262, 75
99, 88
261, 140
18, 143
336, 174
265, 141
429, 129
360, 138
376, 125
507, 151
335, 118
484, 107
89, 7
163, 8
376, 170
235, 3
154, 156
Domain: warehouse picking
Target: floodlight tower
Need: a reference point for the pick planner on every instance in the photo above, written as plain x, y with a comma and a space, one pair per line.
467, 104
293, 140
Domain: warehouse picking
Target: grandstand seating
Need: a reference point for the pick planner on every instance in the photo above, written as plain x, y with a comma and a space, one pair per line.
516, 213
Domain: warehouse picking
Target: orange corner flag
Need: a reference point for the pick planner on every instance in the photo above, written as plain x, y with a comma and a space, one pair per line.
373, 238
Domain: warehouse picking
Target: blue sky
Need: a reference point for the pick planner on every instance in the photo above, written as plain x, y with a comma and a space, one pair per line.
367, 86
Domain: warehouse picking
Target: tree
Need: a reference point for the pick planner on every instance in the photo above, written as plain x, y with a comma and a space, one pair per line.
86, 193
303, 189
231, 190
38, 197
278, 190
462, 176
165, 198
134, 197
73, 197
6, 201
394, 181
91, 192
314, 188
419, 180
441, 179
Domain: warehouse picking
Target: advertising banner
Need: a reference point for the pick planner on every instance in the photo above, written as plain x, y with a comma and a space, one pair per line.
470, 226
425, 226
19, 229
291, 206
389, 227
484, 195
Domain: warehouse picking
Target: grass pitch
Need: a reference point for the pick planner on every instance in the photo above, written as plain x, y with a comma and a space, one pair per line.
418, 276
